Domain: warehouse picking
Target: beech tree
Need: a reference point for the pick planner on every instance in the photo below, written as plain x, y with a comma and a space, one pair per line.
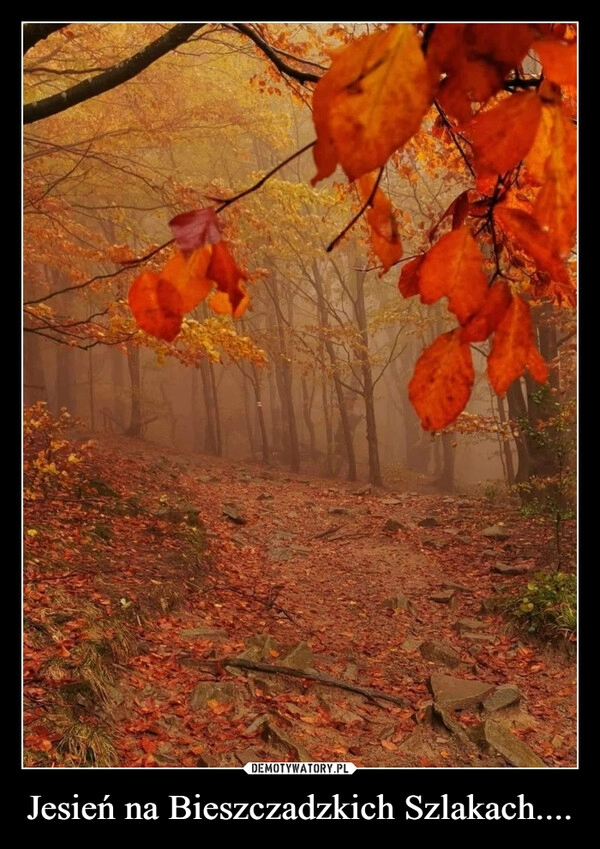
495, 103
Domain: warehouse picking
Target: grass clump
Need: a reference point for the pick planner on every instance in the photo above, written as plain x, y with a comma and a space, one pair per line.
547, 606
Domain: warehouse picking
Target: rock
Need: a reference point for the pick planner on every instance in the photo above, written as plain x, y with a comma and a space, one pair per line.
205, 691
398, 602
204, 633
463, 626
298, 656
247, 756
509, 569
394, 525
503, 696
495, 532
278, 738
457, 693
498, 737
260, 646
429, 522
443, 597
206, 760
439, 544
479, 637
232, 513
439, 653
365, 490
452, 585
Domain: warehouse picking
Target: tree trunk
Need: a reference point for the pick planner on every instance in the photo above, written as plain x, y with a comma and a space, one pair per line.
135, 375
345, 429
375, 476
34, 381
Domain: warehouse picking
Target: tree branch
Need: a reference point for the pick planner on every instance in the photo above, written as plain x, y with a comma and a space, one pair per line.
270, 53
32, 33
113, 77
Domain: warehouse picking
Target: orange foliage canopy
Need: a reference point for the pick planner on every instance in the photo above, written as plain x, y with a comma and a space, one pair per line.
510, 235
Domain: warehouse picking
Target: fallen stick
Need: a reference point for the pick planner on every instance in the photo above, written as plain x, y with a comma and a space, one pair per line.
273, 669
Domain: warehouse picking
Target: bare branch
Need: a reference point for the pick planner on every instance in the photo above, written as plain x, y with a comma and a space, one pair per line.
111, 78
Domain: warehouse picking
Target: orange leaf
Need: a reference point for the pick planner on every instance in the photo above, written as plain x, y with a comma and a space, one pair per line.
513, 349
226, 274
408, 282
384, 230
221, 304
442, 381
559, 59
370, 102
188, 276
556, 204
452, 268
534, 240
156, 306
489, 316
503, 136
475, 59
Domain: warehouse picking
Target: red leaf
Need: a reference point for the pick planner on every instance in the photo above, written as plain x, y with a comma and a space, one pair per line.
490, 315
227, 275
194, 229
156, 306
409, 277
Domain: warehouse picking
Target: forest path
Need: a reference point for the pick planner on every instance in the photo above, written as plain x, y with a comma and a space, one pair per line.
357, 579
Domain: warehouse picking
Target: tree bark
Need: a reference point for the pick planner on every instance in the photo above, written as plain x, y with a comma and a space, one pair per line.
111, 78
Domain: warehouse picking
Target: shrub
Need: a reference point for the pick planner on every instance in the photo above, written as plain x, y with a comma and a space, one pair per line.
547, 606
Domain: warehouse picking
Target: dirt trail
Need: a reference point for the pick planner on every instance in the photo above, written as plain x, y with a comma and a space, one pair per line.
306, 560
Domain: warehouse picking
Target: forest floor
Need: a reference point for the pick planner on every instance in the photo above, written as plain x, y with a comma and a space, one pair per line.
148, 569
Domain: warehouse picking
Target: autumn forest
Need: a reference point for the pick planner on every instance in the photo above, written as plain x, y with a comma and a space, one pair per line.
299, 394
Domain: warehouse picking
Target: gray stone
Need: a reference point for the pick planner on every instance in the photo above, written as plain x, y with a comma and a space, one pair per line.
502, 740
479, 637
298, 656
232, 513
503, 696
206, 691
398, 602
509, 569
429, 522
457, 693
439, 653
495, 532
443, 597
468, 625
394, 525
